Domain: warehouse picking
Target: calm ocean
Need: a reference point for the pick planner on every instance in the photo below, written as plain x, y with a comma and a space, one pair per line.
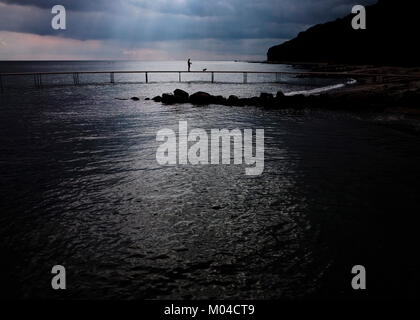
80, 186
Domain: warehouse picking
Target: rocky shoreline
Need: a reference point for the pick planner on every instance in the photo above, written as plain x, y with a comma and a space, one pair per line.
385, 97
389, 92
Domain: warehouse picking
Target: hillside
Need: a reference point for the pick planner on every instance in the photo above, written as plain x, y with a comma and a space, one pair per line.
391, 37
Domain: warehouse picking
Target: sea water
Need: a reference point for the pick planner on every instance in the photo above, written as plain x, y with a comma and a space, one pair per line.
80, 187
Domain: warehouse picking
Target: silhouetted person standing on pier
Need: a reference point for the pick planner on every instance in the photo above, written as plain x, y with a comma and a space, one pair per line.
189, 65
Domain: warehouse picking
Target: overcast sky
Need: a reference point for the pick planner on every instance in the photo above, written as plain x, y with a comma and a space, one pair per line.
159, 29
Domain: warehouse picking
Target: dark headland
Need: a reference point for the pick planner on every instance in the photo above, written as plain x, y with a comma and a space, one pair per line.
390, 38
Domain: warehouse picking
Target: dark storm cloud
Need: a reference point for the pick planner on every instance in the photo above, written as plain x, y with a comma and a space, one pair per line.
159, 20
77, 5
303, 11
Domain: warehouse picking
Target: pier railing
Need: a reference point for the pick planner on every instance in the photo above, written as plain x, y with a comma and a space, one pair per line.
38, 77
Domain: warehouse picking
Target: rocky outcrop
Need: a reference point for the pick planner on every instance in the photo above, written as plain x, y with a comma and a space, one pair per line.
358, 98
169, 98
204, 98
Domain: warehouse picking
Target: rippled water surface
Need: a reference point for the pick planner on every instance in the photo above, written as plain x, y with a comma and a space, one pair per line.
80, 186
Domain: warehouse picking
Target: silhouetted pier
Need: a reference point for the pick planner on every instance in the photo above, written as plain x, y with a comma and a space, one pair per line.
40, 76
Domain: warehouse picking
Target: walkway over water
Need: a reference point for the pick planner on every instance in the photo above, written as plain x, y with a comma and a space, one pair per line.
39, 77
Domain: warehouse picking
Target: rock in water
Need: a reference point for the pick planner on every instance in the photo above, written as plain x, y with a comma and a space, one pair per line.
201, 98
157, 99
135, 99
181, 96
219, 100
233, 100
266, 96
168, 98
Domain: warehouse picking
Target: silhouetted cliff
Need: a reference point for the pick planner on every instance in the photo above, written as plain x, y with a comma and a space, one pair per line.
391, 37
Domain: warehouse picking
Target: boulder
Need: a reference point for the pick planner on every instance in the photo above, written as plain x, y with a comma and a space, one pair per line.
201, 98
135, 99
219, 100
157, 99
255, 101
181, 95
266, 96
168, 98
233, 100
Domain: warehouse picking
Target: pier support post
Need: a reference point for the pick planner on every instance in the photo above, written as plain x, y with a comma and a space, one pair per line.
37, 80
212, 77
1, 84
112, 79
245, 77
179, 77
147, 78
76, 80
